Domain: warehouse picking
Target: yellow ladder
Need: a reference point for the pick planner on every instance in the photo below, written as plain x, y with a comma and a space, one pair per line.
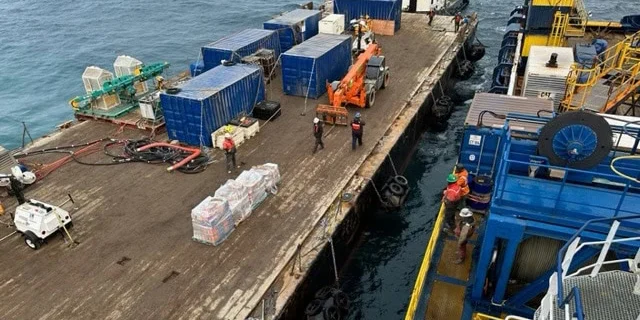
556, 37
623, 59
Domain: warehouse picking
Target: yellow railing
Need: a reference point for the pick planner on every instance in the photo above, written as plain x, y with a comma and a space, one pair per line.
577, 21
623, 57
424, 267
482, 316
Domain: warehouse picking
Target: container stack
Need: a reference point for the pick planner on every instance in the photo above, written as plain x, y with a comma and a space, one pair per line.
307, 67
239, 45
386, 15
209, 101
294, 27
212, 221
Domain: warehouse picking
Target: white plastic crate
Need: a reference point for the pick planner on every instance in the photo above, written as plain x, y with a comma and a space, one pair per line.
251, 130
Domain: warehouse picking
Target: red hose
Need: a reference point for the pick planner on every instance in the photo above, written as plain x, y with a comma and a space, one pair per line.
194, 153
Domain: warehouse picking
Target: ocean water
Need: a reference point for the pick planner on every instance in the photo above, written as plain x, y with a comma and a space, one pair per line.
45, 46
380, 274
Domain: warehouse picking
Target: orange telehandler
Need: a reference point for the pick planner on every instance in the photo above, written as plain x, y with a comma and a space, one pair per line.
368, 74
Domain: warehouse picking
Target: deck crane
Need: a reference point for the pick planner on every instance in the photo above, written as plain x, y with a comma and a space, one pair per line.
368, 74
123, 84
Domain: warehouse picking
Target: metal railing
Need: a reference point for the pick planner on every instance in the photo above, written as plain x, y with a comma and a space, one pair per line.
504, 175
555, 296
623, 57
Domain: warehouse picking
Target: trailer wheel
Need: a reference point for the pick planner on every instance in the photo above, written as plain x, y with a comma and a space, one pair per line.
31, 240
371, 99
385, 80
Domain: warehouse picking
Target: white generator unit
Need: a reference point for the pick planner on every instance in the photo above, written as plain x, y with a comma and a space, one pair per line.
149, 106
37, 220
544, 78
126, 65
93, 78
332, 24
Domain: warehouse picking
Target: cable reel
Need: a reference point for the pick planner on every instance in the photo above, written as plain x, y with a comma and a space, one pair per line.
576, 139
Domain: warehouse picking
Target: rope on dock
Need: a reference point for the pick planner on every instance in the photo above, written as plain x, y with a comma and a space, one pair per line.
392, 165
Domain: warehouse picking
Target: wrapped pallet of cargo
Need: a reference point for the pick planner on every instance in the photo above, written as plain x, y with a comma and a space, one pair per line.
385, 14
256, 186
294, 27
212, 221
271, 175
239, 203
209, 101
239, 45
308, 66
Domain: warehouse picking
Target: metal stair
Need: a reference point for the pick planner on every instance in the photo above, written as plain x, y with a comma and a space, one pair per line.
591, 293
612, 81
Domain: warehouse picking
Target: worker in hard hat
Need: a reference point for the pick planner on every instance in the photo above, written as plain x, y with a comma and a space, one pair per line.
318, 130
451, 199
457, 19
229, 147
464, 231
462, 176
432, 14
357, 126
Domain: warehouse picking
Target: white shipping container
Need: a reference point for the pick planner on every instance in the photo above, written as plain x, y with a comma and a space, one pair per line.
332, 24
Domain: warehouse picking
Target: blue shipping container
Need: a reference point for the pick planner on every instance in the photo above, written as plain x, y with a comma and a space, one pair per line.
196, 68
308, 66
295, 26
211, 100
375, 9
238, 46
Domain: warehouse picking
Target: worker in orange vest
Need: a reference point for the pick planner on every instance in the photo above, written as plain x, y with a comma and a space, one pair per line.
451, 199
456, 20
462, 179
432, 13
464, 231
318, 130
229, 148
356, 130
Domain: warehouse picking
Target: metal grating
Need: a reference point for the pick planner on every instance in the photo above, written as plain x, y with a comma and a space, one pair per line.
607, 296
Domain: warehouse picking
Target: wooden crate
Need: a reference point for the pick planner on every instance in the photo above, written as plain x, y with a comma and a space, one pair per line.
383, 27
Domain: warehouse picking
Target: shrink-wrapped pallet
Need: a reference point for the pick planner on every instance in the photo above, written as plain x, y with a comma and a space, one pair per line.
271, 175
256, 186
238, 197
212, 221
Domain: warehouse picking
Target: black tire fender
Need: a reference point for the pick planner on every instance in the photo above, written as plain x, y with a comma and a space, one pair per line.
396, 189
314, 307
324, 293
401, 180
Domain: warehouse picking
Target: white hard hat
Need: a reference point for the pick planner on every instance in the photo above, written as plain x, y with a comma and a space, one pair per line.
465, 213
227, 136
316, 120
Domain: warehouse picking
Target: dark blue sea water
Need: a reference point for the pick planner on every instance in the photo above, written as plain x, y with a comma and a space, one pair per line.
45, 46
